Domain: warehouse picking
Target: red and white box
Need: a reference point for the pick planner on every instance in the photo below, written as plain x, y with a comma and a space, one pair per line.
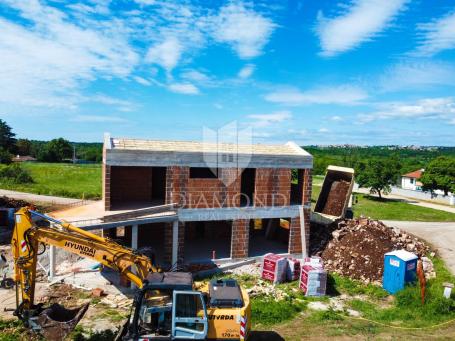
274, 268
293, 269
314, 261
313, 280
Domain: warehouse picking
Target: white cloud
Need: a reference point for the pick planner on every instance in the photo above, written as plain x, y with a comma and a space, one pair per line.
41, 66
244, 29
360, 22
343, 94
246, 71
428, 108
145, 2
166, 53
417, 74
142, 81
120, 104
98, 119
183, 88
323, 130
53, 51
438, 35
199, 78
336, 118
264, 120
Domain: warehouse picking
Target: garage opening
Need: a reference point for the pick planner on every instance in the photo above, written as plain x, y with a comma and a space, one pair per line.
268, 235
206, 240
247, 185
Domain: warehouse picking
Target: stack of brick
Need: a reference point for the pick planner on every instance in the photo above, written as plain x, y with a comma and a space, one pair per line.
313, 277
274, 268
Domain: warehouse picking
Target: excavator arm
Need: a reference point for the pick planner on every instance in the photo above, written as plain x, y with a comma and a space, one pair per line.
27, 237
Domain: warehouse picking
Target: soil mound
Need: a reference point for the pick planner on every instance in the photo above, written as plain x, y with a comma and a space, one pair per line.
336, 198
356, 248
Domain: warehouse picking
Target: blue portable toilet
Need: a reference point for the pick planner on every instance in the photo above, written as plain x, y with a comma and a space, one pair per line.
399, 268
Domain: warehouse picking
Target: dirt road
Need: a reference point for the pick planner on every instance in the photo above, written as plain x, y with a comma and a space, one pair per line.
440, 235
37, 198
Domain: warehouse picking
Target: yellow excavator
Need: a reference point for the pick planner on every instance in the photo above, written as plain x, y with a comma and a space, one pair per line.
166, 305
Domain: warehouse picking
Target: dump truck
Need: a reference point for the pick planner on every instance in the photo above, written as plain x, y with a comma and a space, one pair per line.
167, 305
334, 201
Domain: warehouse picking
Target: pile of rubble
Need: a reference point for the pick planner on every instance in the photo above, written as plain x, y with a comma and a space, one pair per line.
356, 248
266, 289
12, 203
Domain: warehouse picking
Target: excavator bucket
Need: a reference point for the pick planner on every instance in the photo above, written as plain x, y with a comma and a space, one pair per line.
56, 322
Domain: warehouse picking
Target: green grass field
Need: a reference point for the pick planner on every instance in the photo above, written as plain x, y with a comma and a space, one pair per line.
61, 179
390, 209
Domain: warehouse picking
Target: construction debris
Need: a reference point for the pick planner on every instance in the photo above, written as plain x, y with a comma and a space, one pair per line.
13, 203
356, 248
266, 289
97, 292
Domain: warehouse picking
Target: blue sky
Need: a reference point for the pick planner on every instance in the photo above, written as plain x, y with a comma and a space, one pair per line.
315, 72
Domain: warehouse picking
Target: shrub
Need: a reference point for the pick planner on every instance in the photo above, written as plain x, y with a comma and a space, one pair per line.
15, 173
5, 156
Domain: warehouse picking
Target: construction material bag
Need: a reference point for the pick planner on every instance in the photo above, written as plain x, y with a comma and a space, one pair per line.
313, 280
274, 268
293, 269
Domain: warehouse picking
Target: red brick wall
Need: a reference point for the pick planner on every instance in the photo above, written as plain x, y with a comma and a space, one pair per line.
130, 184
240, 238
295, 240
263, 187
205, 193
176, 183
307, 185
281, 180
273, 187
202, 193
107, 187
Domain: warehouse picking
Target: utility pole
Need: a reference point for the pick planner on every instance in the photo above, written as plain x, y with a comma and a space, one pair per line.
74, 153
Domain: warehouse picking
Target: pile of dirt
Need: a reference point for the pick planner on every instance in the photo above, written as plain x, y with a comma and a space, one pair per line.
12, 203
356, 248
336, 198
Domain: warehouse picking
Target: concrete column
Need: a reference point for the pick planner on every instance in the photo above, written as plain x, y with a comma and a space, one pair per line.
134, 236
175, 241
303, 233
134, 242
51, 262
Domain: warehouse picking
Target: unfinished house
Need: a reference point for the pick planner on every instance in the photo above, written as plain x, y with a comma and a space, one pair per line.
230, 201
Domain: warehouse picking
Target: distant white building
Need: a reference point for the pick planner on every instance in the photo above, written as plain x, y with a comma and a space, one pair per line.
411, 180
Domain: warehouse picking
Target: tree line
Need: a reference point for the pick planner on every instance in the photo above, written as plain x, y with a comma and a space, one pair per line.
381, 167
55, 150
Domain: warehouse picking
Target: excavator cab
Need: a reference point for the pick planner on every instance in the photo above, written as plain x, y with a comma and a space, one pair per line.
167, 308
